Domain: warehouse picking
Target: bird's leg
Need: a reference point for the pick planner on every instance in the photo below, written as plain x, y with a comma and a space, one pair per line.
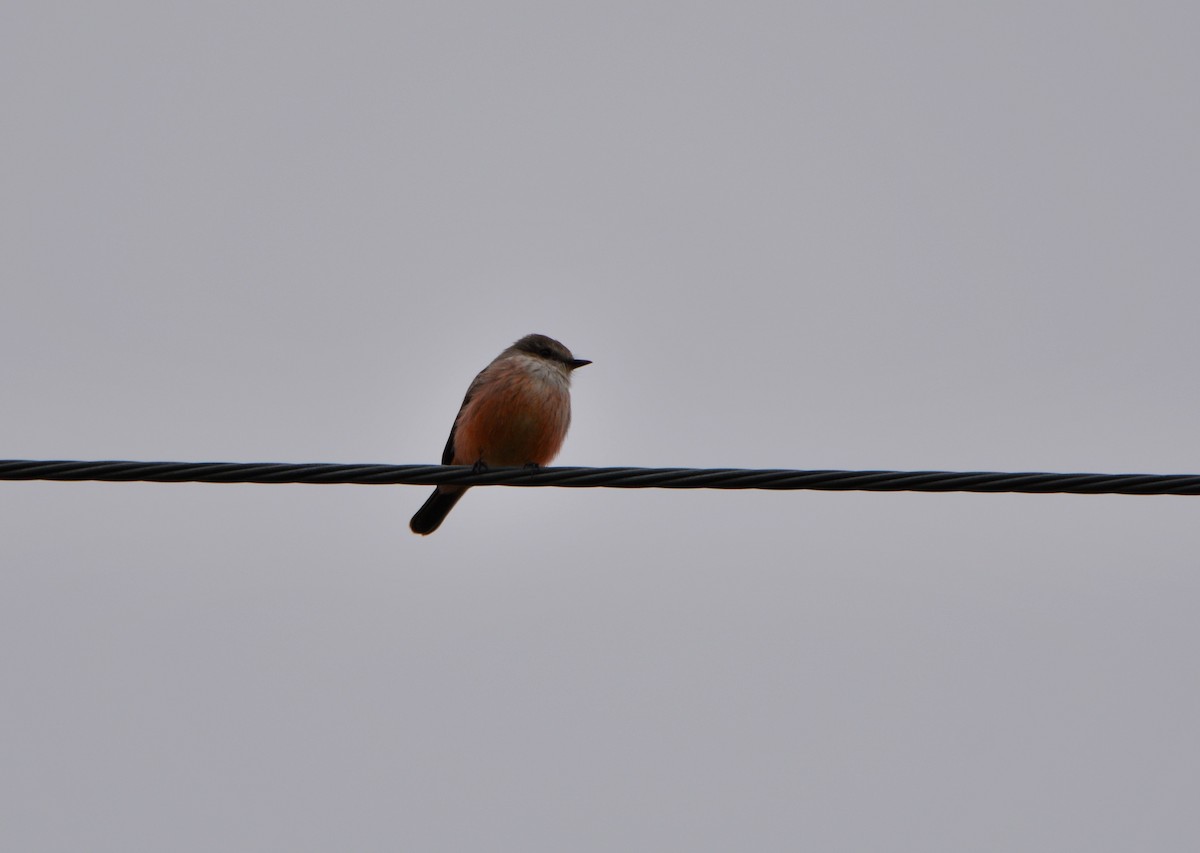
529, 465
479, 467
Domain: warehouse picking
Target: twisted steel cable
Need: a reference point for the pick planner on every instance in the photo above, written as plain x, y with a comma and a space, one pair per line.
617, 478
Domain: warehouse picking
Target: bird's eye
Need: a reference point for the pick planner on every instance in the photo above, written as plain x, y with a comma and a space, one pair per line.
546, 352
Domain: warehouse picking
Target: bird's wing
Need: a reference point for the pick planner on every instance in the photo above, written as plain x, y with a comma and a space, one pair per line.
448, 453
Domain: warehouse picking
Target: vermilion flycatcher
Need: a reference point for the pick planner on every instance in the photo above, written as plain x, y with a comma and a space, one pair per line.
516, 412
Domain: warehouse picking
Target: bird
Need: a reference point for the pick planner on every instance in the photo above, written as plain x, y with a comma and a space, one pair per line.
516, 412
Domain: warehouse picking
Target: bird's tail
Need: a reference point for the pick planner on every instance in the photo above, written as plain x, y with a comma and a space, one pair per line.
431, 514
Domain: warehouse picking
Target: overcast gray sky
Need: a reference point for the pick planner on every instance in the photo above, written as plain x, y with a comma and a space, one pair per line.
811, 235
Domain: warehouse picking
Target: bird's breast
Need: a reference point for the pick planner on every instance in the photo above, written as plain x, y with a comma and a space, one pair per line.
518, 415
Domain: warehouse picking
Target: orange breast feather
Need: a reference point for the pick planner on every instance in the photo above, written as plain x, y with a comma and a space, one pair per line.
515, 419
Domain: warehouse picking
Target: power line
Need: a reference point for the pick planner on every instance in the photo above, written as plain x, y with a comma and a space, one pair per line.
619, 478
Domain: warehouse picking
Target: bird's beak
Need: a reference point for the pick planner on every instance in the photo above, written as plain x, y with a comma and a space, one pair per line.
577, 362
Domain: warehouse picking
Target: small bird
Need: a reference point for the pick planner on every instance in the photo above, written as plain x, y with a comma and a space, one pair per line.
516, 412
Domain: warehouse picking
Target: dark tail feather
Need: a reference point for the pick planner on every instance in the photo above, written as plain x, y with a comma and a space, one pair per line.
431, 514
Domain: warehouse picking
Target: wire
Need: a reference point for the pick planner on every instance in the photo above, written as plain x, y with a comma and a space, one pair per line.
618, 478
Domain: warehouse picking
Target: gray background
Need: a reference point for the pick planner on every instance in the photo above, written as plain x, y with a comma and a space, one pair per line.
859, 235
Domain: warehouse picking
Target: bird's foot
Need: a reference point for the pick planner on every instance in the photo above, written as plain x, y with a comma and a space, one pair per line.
479, 467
